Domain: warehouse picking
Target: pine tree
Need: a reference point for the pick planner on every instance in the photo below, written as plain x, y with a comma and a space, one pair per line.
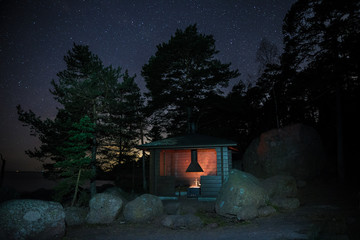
124, 119
88, 88
181, 75
75, 168
321, 39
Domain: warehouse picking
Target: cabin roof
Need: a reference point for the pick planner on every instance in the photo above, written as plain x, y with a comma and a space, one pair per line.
188, 141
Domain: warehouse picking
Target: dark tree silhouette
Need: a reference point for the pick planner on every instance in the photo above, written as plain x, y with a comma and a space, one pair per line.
181, 76
321, 39
87, 88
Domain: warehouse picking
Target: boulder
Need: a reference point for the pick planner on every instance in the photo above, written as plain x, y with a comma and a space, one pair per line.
75, 215
117, 192
294, 150
32, 219
143, 208
247, 213
240, 191
280, 186
104, 208
188, 221
266, 211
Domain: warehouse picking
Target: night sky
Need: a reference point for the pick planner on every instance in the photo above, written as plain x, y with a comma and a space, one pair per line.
35, 35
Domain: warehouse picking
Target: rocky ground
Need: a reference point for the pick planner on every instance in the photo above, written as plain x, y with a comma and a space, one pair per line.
327, 211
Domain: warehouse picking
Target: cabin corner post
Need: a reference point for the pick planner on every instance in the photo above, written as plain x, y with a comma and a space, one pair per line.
227, 164
219, 166
154, 171
223, 162
230, 159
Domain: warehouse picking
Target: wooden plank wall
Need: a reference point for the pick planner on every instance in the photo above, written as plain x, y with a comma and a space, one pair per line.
154, 171
230, 159
223, 162
175, 163
210, 185
216, 164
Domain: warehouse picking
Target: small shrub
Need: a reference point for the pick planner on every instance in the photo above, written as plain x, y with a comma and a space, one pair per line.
209, 218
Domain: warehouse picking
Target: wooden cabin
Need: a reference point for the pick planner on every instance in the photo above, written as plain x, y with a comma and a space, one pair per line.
194, 163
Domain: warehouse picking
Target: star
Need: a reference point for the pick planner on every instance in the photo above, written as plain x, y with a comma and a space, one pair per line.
35, 36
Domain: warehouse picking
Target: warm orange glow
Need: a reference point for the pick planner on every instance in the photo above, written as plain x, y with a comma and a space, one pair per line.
196, 184
175, 163
107, 164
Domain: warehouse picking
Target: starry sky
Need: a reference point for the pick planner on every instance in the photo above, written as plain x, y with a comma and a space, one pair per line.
36, 34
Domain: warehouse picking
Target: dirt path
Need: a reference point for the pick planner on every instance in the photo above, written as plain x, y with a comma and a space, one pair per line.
279, 227
324, 214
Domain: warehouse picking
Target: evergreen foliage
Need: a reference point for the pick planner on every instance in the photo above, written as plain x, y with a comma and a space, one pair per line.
181, 76
122, 125
87, 88
316, 81
75, 168
321, 46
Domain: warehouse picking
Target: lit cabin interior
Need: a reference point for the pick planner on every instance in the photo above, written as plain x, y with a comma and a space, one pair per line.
196, 165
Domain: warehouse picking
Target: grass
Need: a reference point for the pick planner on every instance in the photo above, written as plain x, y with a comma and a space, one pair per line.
212, 217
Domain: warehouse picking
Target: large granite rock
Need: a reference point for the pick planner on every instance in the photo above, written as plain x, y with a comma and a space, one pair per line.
282, 191
143, 208
280, 186
32, 219
241, 191
266, 211
117, 192
247, 213
295, 150
104, 208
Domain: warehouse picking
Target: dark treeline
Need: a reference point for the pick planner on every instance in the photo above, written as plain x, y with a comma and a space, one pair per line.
314, 81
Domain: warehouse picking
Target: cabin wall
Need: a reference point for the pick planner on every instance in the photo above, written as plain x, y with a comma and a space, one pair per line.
154, 171
230, 159
175, 163
224, 162
210, 185
168, 170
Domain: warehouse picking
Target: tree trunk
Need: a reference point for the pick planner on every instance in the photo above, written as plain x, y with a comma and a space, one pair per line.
93, 159
339, 126
76, 188
93, 168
